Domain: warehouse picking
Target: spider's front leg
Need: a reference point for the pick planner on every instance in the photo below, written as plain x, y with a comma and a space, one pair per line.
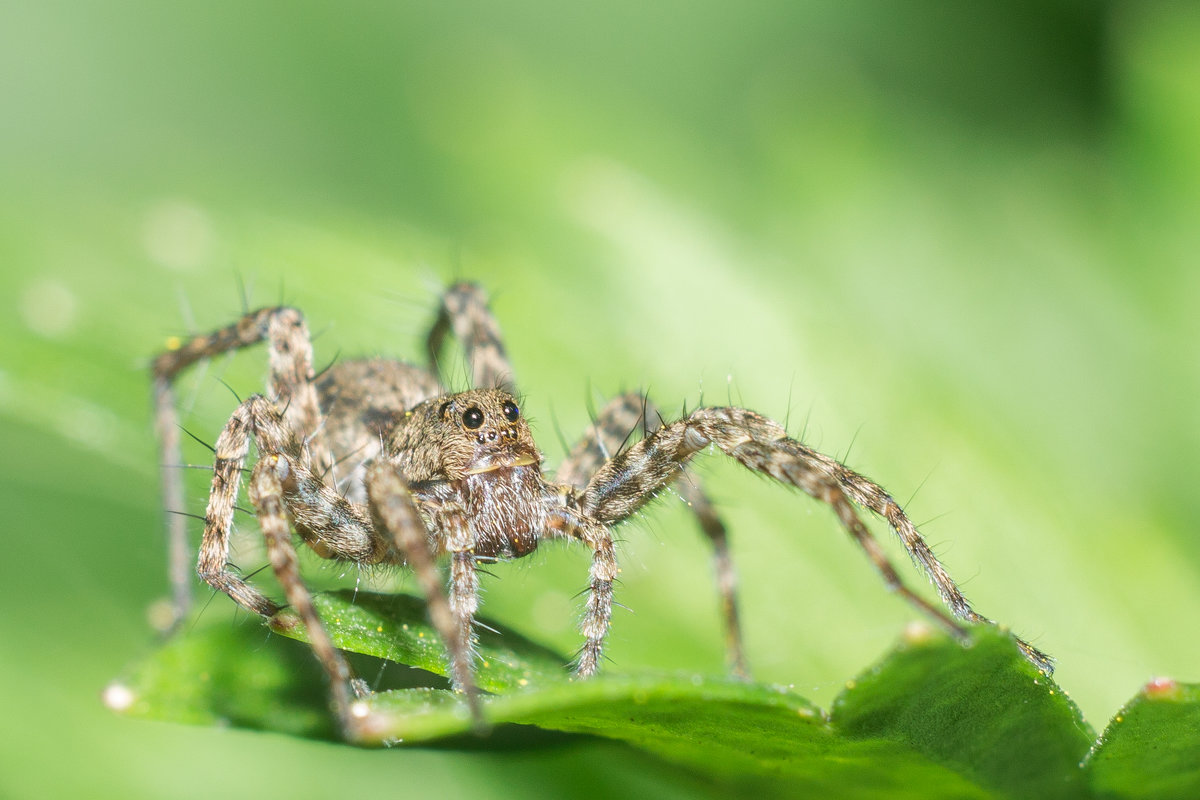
569, 521
614, 425
284, 491
631, 478
395, 513
267, 494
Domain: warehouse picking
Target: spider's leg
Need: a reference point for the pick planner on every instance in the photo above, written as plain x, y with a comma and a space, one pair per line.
396, 516
266, 493
288, 386
255, 418
597, 610
464, 311
698, 501
620, 417
331, 526
631, 478
282, 487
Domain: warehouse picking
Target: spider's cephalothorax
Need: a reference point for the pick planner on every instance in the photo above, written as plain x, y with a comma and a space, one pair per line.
472, 454
372, 462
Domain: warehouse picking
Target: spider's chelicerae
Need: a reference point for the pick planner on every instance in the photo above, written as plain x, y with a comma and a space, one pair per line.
374, 462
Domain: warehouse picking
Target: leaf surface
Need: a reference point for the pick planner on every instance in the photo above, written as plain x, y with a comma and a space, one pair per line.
931, 718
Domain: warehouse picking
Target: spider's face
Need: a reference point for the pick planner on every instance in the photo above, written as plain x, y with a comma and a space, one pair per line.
470, 433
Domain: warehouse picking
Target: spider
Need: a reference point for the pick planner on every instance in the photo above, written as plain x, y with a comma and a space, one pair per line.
375, 462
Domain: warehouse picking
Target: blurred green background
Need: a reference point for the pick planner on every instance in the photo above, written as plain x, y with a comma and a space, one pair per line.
955, 243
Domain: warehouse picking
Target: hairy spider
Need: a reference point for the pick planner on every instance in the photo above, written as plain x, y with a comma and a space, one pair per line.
373, 462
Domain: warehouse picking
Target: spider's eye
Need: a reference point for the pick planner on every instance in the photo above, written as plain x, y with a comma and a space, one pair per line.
442, 410
511, 412
472, 417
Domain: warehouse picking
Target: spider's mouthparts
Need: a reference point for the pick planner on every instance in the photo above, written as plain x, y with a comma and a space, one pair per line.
519, 461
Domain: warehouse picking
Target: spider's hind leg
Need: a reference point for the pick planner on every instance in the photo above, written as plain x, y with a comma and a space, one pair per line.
616, 422
464, 311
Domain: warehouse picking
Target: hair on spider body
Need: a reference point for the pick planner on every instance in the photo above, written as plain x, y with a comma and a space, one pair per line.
374, 462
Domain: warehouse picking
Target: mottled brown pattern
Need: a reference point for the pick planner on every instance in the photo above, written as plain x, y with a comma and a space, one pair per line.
373, 462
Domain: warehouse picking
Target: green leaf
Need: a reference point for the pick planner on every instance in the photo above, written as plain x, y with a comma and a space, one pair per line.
228, 673
982, 711
394, 627
933, 717
1152, 746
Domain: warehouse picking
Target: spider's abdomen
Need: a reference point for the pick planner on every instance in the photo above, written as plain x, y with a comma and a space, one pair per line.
505, 511
363, 401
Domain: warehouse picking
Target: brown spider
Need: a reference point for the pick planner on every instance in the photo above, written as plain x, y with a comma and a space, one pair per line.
372, 462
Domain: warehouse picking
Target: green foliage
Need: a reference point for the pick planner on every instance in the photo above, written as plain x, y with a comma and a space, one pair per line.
985, 710
932, 718
1152, 746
